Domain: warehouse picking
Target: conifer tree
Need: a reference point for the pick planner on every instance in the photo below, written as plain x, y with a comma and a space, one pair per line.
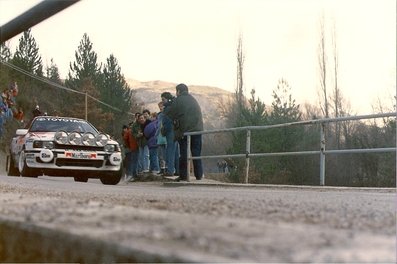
284, 108
5, 55
114, 89
85, 66
95, 113
27, 54
53, 99
5, 52
116, 92
85, 76
52, 72
256, 114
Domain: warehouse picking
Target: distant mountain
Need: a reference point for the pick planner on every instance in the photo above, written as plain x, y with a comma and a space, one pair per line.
209, 98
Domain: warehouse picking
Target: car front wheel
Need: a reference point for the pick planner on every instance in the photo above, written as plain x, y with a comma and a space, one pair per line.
112, 179
12, 170
24, 170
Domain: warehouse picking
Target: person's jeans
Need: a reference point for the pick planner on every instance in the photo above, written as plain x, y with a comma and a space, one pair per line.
146, 161
154, 161
195, 147
131, 159
143, 160
170, 153
1, 125
161, 154
176, 159
140, 159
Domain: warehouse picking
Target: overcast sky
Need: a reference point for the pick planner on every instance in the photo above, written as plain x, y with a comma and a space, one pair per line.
195, 42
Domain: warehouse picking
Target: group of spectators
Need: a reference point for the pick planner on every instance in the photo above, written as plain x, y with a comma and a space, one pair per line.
10, 110
155, 143
8, 107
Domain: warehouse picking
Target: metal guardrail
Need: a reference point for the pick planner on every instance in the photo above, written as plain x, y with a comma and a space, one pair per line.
322, 151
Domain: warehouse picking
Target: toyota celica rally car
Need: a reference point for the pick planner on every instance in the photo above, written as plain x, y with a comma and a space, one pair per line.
65, 146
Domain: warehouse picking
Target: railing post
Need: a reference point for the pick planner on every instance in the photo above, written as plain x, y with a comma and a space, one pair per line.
247, 152
322, 154
189, 157
86, 106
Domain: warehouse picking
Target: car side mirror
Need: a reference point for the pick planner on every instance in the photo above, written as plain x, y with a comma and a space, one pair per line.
21, 132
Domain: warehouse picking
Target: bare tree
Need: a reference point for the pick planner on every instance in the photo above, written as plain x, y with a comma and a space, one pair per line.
240, 70
337, 100
232, 109
322, 63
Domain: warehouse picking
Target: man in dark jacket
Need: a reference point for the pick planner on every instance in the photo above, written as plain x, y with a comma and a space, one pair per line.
167, 130
186, 114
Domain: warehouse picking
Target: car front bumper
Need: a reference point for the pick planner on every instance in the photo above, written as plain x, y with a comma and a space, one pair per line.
98, 161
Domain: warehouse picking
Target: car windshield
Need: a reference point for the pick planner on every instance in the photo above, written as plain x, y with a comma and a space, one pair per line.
54, 124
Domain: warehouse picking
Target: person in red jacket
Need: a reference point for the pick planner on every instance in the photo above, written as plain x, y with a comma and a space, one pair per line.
131, 153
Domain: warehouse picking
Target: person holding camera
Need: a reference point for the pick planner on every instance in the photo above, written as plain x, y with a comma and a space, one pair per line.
187, 117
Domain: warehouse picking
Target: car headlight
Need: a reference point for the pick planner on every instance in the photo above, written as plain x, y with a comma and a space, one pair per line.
37, 144
61, 137
88, 139
74, 138
43, 144
48, 144
109, 148
117, 148
101, 140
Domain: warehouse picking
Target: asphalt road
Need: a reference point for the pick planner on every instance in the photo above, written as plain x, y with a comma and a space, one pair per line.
196, 222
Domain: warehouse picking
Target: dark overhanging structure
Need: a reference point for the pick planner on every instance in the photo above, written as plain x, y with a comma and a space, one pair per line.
32, 17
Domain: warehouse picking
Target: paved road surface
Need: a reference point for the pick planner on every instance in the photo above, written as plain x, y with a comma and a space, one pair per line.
204, 222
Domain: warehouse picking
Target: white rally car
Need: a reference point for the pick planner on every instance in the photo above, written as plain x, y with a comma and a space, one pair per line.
64, 146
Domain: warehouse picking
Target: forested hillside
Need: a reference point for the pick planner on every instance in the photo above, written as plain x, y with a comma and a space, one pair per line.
93, 90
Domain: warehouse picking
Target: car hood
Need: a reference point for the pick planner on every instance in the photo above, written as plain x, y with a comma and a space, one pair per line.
41, 135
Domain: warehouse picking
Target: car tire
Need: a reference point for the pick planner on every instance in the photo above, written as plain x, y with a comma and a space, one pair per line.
24, 170
12, 170
80, 179
112, 179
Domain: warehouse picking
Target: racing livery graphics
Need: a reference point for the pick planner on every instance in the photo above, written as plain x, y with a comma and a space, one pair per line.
63, 146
